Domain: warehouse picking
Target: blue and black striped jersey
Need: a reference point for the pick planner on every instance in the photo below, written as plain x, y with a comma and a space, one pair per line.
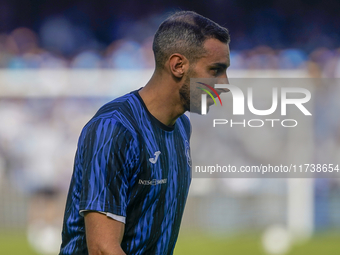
129, 164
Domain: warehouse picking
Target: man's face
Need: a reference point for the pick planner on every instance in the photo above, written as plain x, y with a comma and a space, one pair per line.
213, 65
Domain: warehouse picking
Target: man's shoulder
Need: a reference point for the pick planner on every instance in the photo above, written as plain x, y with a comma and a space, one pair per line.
118, 112
119, 106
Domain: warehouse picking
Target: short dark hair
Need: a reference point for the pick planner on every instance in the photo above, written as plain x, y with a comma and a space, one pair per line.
185, 32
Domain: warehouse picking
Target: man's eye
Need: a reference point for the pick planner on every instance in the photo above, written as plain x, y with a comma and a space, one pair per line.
215, 71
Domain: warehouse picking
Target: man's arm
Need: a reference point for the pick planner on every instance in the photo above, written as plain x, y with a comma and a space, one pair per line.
103, 234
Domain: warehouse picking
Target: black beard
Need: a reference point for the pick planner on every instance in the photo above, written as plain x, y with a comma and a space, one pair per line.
184, 93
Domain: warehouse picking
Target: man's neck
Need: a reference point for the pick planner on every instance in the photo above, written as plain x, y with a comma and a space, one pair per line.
162, 99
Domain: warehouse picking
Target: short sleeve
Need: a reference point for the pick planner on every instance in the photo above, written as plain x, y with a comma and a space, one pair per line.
109, 156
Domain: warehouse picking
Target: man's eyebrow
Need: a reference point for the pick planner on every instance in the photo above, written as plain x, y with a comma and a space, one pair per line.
221, 65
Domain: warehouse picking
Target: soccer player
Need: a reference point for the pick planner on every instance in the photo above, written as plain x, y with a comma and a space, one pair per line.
132, 167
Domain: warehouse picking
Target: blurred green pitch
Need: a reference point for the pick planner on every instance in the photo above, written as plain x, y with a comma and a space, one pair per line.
196, 244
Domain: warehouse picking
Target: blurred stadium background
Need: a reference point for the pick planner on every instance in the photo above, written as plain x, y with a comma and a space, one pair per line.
61, 60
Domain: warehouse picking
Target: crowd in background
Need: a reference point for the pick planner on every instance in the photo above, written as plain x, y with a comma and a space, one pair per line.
61, 43
22, 49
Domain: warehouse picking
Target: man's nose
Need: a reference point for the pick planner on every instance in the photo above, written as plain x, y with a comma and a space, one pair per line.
223, 80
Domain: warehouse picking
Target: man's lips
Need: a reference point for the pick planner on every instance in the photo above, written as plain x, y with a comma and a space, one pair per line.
220, 91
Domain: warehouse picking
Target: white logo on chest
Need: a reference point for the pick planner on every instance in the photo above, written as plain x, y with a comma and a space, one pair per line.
154, 160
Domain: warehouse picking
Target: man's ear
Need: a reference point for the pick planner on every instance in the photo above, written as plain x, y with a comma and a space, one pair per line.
178, 65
